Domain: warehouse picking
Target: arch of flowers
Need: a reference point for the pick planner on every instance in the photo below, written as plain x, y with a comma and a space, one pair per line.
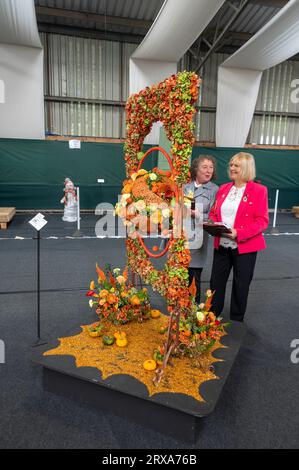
172, 103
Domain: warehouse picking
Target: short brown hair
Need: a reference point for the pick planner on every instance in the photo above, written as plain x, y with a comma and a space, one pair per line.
196, 162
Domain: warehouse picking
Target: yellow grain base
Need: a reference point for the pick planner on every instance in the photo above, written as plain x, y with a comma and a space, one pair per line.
182, 375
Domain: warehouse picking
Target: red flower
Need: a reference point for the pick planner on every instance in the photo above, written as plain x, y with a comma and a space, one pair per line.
89, 293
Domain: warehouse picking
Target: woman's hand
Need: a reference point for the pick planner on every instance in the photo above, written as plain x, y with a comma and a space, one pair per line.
195, 213
232, 235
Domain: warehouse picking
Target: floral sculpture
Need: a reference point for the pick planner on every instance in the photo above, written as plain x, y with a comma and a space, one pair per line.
153, 201
172, 103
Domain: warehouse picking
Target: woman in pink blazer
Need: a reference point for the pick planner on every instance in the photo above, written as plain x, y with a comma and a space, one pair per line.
243, 205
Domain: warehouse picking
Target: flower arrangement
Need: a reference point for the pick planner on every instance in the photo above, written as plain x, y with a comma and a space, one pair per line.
147, 202
196, 333
115, 300
170, 102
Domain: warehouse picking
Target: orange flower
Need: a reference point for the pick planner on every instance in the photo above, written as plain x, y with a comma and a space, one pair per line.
101, 273
112, 299
135, 300
127, 188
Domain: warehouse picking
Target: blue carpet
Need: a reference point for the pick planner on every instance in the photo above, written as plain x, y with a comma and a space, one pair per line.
258, 407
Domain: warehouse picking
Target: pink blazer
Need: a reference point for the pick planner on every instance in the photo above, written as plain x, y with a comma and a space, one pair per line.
251, 219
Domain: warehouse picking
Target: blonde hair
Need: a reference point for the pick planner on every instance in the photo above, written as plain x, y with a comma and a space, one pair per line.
248, 172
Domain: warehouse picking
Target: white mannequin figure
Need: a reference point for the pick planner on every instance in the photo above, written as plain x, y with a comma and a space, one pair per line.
70, 201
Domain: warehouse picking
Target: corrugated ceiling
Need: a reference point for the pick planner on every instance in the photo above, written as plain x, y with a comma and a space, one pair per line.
135, 9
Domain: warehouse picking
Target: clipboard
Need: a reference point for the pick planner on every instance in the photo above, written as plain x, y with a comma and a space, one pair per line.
216, 229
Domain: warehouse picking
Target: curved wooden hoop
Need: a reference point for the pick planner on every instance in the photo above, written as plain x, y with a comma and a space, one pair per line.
140, 239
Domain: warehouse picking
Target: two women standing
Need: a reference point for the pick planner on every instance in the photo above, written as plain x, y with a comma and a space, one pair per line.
243, 205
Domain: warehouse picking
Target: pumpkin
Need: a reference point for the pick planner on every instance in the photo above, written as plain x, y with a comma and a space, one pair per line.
120, 335
121, 342
155, 313
150, 364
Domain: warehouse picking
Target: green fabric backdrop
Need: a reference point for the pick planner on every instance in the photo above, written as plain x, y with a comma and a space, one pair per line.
32, 172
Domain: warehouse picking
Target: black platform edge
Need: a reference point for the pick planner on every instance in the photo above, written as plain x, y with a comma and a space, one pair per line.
169, 413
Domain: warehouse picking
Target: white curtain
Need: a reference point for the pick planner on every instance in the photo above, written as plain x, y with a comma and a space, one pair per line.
18, 23
237, 94
21, 72
176, 27
22, 109
239, 76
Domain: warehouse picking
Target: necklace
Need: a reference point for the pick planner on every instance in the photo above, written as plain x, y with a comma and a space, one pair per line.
235, 193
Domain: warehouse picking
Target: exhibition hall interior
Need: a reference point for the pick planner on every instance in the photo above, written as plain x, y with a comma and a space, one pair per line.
149, 224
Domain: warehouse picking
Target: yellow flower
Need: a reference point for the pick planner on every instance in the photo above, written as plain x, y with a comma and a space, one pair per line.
142, 172
190, 194
92, 285
200, 316
134, 176
103, 293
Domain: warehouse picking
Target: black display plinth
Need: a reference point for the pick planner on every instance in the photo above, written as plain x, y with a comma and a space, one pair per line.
175, 414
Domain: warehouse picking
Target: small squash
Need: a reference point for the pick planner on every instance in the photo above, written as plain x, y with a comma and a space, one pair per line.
108, 340
155, 313
94, 334
150, 364
162, 330
95, 330
121, 342
120, 335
